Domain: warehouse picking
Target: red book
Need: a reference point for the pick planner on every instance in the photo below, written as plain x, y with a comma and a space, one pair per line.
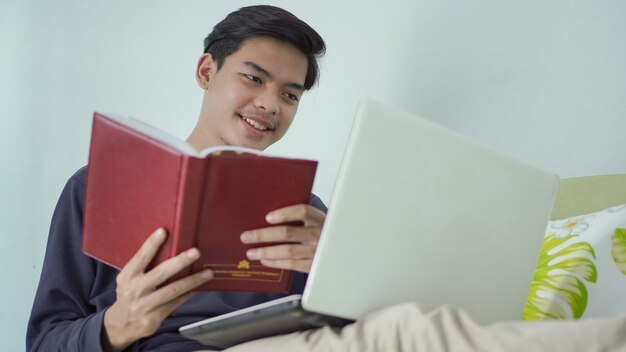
140, 178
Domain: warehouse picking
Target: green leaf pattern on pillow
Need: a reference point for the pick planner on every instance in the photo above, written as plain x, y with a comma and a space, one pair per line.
618, 249
559, 273
581, 268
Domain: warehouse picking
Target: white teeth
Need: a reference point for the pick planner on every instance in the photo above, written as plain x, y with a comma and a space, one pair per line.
255, 124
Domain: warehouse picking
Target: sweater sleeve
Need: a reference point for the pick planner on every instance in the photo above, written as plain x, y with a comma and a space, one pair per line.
62, 316
316, 202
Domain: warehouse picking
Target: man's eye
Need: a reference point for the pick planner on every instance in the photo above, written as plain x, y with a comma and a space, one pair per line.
292, 97
253, 78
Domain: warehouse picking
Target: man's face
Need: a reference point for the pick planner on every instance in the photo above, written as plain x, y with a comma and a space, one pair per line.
253, 98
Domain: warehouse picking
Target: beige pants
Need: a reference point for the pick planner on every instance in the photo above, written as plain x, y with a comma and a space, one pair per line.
406, 328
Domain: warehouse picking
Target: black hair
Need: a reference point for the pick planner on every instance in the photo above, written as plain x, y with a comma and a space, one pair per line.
269, 21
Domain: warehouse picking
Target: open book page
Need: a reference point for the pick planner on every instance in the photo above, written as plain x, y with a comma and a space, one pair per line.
174, 142
229, 148
154, 133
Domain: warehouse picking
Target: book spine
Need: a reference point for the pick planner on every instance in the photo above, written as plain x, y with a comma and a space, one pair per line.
188, 208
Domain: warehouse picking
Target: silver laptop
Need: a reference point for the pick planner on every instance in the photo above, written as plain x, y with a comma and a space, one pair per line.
421, 214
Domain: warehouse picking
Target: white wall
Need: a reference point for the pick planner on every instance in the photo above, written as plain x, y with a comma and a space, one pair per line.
543, 80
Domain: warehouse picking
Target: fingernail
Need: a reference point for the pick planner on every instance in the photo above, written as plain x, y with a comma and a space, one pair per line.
160, 233
207, 274
246, 237
193, 253
271, 218
253, 253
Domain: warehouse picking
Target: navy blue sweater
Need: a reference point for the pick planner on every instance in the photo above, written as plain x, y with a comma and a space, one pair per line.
75, 290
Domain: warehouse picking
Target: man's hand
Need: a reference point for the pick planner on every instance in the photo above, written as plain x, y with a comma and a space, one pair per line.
140, 308
297, 255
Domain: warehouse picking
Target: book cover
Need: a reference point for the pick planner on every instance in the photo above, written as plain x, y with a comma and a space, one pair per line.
140, 178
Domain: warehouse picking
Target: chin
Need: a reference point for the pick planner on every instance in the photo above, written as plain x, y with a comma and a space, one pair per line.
251, 145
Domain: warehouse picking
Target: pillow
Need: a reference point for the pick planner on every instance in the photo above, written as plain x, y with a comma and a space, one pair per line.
581, 270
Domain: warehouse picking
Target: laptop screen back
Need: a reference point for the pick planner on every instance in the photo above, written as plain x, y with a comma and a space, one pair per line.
422, 214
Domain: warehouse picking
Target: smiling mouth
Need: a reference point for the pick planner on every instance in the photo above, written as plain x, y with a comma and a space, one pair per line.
255, 124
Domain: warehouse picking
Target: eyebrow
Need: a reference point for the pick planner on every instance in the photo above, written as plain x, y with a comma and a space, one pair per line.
266, 73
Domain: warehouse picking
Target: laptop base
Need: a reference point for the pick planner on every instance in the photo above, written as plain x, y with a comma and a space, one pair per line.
283, 318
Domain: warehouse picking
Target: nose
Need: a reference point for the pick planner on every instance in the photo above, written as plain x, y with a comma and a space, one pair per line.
268, 101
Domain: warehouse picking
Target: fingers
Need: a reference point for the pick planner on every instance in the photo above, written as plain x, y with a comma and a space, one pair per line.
298, 254
139, 309
313, 220
281, 234
303, 265
169, 297
139, 262
287, 256
285, 251
170, 267
310, 215
169, 307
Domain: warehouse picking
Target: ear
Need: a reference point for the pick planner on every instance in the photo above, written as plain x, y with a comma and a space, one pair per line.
205, 70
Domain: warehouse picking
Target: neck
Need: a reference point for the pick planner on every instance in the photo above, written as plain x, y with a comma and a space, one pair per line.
201, 139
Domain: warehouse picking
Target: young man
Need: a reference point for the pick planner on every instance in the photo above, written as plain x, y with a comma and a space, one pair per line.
257, 64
